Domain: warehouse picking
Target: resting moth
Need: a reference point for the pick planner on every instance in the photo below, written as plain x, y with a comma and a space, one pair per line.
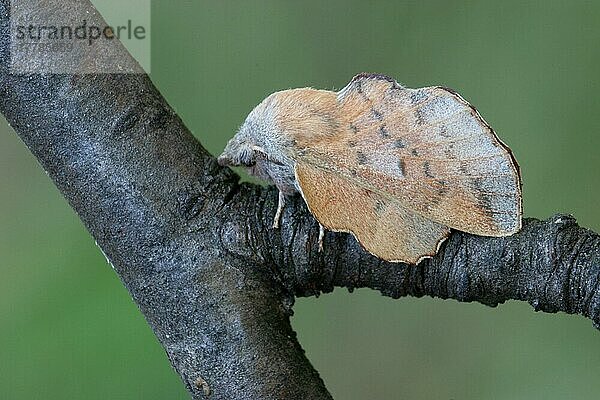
396, 167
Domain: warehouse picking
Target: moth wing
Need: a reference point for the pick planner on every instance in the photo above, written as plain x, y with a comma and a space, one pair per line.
427, 148
383, 226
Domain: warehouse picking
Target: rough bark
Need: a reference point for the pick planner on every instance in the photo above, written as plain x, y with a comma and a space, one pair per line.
196, 251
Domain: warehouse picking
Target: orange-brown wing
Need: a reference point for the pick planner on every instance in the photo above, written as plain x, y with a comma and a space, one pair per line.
429, 150
384, 227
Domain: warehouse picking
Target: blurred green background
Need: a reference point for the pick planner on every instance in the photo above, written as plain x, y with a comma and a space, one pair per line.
69, 330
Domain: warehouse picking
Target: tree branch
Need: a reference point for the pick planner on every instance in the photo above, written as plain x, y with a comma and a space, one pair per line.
196, 251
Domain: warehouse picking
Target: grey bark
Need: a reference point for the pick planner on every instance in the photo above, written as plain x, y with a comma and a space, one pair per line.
197, 253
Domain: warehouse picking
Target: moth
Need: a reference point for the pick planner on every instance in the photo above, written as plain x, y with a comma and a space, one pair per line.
396, 167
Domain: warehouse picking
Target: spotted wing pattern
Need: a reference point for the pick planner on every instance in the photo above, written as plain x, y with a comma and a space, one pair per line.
427, 151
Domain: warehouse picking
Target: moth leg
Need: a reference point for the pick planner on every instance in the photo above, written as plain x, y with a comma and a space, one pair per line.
321, 236
280, 206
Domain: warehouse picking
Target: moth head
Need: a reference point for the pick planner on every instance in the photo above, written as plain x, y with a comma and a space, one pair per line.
259, 138
244, 150
238, 153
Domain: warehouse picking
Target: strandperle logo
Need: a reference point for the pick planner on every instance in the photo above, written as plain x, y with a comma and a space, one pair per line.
32, 34
64, 37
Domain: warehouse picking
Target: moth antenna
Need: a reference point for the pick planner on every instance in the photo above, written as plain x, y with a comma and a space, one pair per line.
274, 161
259, 149
264, 155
